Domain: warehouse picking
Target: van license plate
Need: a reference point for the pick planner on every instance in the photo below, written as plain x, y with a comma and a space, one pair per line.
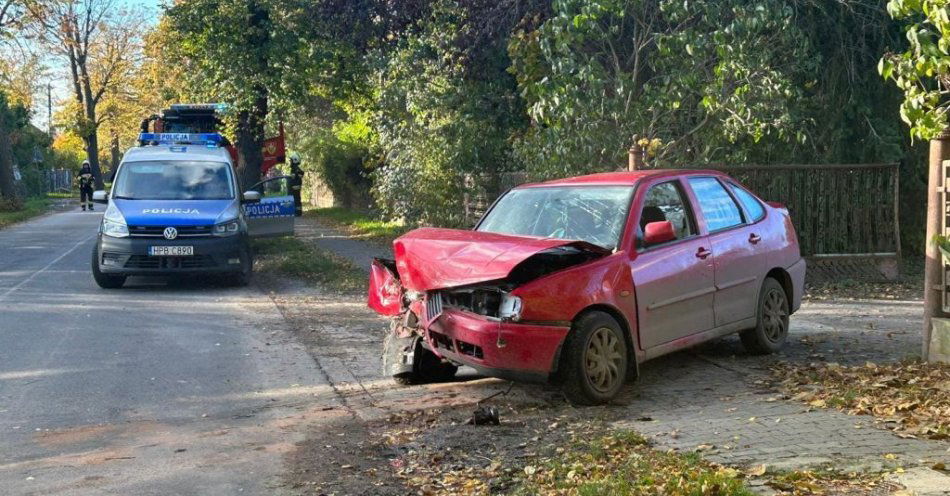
171, 251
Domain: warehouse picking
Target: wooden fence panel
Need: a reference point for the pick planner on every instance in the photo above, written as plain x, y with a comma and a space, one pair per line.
837, 209
847, 210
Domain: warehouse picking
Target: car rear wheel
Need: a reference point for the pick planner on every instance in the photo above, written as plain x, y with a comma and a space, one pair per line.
771, 329
105, 281
594, 360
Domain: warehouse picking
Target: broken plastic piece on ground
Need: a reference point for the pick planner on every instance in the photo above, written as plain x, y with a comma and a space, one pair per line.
485, 415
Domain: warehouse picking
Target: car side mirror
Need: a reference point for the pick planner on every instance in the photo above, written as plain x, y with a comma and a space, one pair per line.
658, 232
251, 197
100, 196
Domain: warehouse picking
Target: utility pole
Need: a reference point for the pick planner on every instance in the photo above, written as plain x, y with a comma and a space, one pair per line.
49, 109
635, 155
933, 268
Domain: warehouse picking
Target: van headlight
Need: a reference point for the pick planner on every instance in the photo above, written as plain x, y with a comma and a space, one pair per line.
229, 228
113, 223
510, 308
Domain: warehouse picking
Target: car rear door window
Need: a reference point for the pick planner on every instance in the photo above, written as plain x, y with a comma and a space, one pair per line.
664, 202
751, 204
718, 207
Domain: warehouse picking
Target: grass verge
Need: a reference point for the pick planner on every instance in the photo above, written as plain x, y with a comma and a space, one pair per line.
830, 482
293, 257
910, 398
359, 224
32, 207
624, 463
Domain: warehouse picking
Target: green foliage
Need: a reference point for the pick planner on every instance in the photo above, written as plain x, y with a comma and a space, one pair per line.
444, 112
414, 105
231, 50
922, 72
341, 155
701, 76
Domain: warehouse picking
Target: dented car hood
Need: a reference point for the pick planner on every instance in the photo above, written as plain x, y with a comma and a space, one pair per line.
432, 258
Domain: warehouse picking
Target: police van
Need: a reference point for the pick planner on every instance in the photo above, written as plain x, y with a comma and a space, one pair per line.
176, 207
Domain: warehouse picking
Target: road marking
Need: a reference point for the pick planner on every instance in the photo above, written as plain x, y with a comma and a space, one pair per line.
57, 259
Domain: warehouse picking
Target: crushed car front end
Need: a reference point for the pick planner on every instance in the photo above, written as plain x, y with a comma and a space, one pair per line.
464, 326
438, 296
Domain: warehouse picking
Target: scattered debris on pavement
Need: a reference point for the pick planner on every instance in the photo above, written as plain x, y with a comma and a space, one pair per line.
485, 415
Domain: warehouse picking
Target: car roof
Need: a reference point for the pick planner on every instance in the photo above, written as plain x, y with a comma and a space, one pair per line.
623, 178
165, 153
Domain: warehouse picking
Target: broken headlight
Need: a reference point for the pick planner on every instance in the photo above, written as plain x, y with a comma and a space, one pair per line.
510, 307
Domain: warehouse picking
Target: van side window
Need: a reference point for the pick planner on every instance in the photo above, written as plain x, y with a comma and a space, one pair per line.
751, 204
719, 209
664, 202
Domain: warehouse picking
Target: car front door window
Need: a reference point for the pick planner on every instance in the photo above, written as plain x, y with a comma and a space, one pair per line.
664, 202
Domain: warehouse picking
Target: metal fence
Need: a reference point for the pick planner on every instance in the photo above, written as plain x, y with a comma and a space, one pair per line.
58, 180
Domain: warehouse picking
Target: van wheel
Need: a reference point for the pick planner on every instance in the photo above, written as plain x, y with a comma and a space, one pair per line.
594, 361
243, 278
105, 281
771, 329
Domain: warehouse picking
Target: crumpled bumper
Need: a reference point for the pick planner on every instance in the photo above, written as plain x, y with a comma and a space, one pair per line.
518, 351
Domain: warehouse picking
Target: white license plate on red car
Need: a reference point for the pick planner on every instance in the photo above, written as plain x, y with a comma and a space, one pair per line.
171, 251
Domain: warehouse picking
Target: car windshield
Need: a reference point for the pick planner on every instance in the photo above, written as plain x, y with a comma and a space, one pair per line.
174, 180
595, 214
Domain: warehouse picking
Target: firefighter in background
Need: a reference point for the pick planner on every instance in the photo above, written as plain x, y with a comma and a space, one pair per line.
85, 185
296, 182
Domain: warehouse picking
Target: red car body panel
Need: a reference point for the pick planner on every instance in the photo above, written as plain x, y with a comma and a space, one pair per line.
602, 282
509, 349
385, 291
432, 258
650, 291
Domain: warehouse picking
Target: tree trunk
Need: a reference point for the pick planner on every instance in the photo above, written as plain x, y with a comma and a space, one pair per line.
7, 184
250, 140
116, 153
91, 139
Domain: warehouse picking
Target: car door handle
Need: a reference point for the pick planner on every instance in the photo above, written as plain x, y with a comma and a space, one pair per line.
703, 253
754, 238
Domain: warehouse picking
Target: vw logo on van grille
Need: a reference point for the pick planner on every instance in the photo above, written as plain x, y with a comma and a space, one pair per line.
170, 233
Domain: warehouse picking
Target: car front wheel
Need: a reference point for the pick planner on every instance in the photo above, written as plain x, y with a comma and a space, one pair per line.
771, 329
594, 360
105, 281
243, 277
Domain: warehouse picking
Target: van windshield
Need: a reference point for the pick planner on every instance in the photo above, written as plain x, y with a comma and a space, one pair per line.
595, 214
174, 180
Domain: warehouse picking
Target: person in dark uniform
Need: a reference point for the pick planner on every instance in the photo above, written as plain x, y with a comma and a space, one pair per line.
85, 185
296, 182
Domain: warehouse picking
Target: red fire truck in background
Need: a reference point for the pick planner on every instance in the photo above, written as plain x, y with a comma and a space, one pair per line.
191, 118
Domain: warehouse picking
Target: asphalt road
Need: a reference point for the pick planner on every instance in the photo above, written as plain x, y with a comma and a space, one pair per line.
157, 388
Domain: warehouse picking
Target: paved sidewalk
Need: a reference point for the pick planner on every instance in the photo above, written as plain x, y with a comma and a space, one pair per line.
694, 402
360, 253
712, 399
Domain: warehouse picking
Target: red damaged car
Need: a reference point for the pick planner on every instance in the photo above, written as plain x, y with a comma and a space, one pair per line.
579, 280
